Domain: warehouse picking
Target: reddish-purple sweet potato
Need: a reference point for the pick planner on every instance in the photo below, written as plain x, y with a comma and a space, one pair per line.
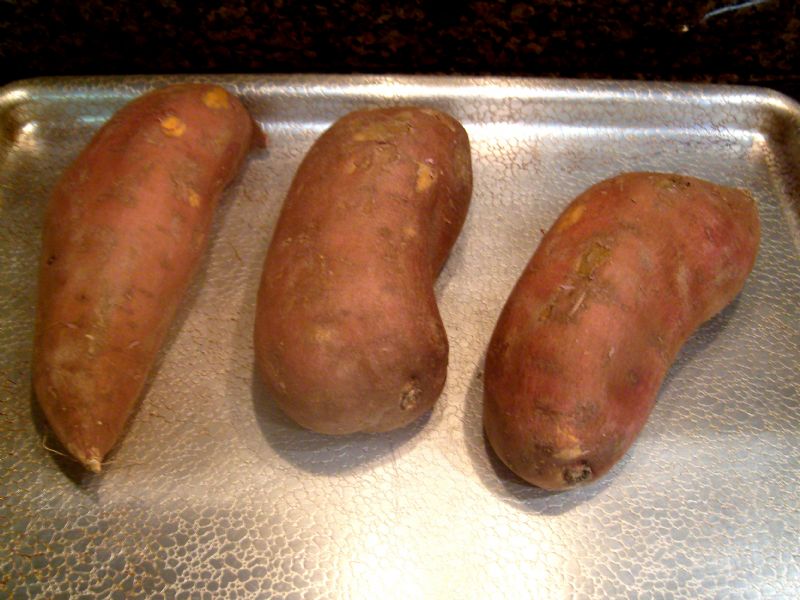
630, 269
348, 336
123, 234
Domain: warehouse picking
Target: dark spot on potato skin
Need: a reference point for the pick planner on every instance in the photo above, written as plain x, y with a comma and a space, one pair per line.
499, 349
51, 259
538, 456
579, 473
544, 364
542, 410
542, 450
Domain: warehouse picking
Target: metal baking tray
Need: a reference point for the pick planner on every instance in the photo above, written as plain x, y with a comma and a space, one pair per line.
214, 493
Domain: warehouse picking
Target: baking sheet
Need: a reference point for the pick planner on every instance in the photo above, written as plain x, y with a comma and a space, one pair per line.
214, 493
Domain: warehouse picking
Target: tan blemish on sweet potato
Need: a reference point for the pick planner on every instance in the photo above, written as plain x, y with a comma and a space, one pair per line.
383, 131
569, 453
595, 256
216, 98
425, 177
193, 198
410, 232
324, 334
172, 126
571, 217
565, 436
92, 344
379, 154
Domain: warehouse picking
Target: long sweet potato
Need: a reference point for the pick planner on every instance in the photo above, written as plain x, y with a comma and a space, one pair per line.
125, 228
631, 268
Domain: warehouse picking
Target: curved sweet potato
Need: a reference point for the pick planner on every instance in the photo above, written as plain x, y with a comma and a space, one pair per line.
348, 336
630, 269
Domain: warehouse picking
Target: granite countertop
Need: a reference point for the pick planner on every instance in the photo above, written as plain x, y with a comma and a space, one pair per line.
733, 41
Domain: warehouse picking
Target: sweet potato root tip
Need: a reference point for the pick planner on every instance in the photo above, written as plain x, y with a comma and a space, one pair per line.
577, 474
93, 464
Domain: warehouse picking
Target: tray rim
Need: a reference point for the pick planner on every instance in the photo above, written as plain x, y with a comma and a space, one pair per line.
536, 86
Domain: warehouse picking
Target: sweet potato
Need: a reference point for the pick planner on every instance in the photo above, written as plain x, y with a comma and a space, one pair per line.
348, 335
123, 233
630, 269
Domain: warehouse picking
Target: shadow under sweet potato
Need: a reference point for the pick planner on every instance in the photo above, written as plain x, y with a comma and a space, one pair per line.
503, 482
321, 454
70, 467
510, 487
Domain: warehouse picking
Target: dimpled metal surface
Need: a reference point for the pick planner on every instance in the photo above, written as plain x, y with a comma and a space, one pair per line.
213, 493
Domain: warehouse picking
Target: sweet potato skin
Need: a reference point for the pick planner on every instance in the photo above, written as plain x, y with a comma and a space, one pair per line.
629, 270
348, 335
124, 231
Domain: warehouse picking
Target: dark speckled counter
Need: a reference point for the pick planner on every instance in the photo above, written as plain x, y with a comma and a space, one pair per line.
732, 41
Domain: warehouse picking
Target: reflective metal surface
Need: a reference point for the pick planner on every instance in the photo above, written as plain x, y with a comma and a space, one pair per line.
214, 491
